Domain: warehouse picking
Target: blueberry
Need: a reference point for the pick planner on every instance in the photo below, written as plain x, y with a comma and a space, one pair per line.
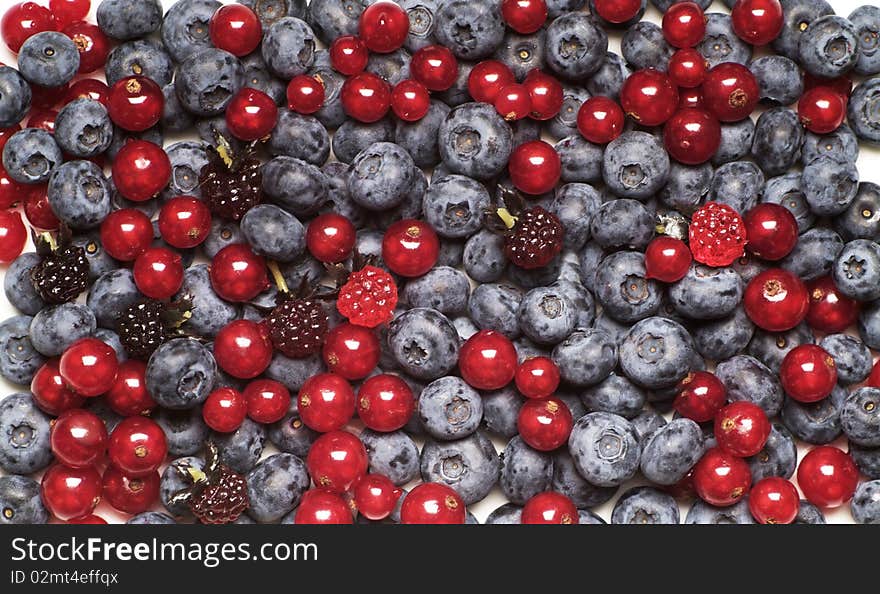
622, 223
450, 409
778, 457
623, 289
392, 67
772, 347
525, 472
129, 19
565, 122
142, 57
150, 518
419, 138
30, 155
556, 8
172, 482
48, 59
830, 185
609, 78
475, 140
334, 18
507, 513
721, 44
841, 144
421, 15
469, 465
736, 141
645, 505
747, 379
546, 315
120, 137
828, 48
15, 96
209, 312
18, 287
187, 160
568, 481
257, 76
644, 46
869, 324
738, 184
79, 194
815, 253
424, 343
20, 501
185, 27
585, 305
19, 360
181, 373
866, 503
276, 486
380, 176
293, 373
442, 288
723, 338
586, 357
816, 422
523, 53
352, 137
777, 140
671, 451
663, 5
605, 449
454, 206
83, 128
860, 417
470, 29
185, 430
24, 435
273, 232
458, 93
866, 20
851, 357
56, 327
703, 513
856, 270
269, 11
707, 293
656, 353
615, 394
786, 190
241, 449
798, 15
493, 307
686, 187
500, 410
207, 80
291, 435
779, 79
411, 208
867, 460
635, 165
576, 44
297, 186
111, 294
393, 454
581, 160
861, 219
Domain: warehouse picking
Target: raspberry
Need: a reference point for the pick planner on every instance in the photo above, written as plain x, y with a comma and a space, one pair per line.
216, 495
717, 235
368, 298
535, 240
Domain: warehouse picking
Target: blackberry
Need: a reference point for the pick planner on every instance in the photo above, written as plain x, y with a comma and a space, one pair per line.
217, 495
231, 184
63, 271
298, 327
144, 326
532, 237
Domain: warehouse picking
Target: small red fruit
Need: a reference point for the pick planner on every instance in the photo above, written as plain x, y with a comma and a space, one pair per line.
487, 360
88, 519
691, 136
78, 438
93, 46
684, 24
435, 67
757, 21
23, 20
550, 508
375, 496
699, 396
336, 461
808, 373
224, 410
129, 395
772, 231
235, 28
322, 507
776, 300
10, 190
410, 247
742, 428
184, 222
130, 495
368, 298
534, 167
600, 120
617, 11
687, 68
842, 85
70, 492
544, 424
305, 94
385, 403
330, 238
351, 351
68, 11
238, 274
126, 234
513, 102
267, 400
365, 97
667, 259
51, 393
720, 478
432, 503
649, 97
821, 110
717, 235
326, 402
243, 349
730, 92
137, 446
524, 16
827, 476
830, 310
13, 235
251, 115
774, 500
89, 366
135, 103
37, 209
690, 98
383, 27
487, 78
537, 377
141, 170
410, 100
545, 95
158, 273
349, 55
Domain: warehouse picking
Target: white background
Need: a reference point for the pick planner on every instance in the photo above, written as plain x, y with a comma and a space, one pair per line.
868, 157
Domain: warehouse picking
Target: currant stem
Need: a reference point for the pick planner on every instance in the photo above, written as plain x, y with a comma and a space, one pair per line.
277, 276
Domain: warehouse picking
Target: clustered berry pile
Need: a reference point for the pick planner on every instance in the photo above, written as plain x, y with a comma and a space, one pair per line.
672, 295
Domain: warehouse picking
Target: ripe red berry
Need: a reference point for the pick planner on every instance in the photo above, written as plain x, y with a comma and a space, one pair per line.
684, 24
51, 393
772, 231
87, 519
235, 28
158, 273
224, 410
550, 508
10, 190
687, 68
776, 300
68, 11
351, 351
667, 259
435, 67
513, 102
757, 21
821, 110
70, 492
43, 119
137, 446
365, 97
410, 100
141, 170
128, 494
534, 167
376, 496
774, 500
842, 85
524, 16
699, 396
717, 235
322, 507
89, 366
827, 476
238, 274
23, 20
93, 46
348, 55
336, 461
410, 247
487, 360
649, 97
385, 402
37, 209
600, 120
830, 310
126, 234
13, 235
808, 373
326, 402
618, 11
135, 103
383, 27
545, 95
720, 478
305, 94
251, 115
690, 98
330, 238
537, 377
267, 400
129, 395
184, 222
243, 349
78, 438
432, 503
544, 424
487, 78
730, 92
691, 136
742, 428
368, 298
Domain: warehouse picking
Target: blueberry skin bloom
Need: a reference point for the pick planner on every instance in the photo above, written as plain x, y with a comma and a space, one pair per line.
30, 155
863, 111
83, 128
48, 59
15, 96
576, 44
129, 19
207, 80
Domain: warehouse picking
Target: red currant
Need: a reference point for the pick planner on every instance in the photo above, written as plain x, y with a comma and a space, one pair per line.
78, 438
772, 231
224, 410
326, 402
410, 247
618, 11
513, 102
22, 20
336, 461
37, 209
129, 395
537, 377
690, 98
13, 235
330, 238
730, 92
267, 400
70, 492
808, 373
776, 300
842, 85
687, 68
322, 507
130, 495
742, 428
410, 100
649, 97
435, 67
385, 402
135, 103
351, 351
93, 46
141, 170
251, 115
524, 16
691, 136
874, 378
757, 21
774, 500
830, 310
158, 273
720, 478
684, 24
69, 11
235, 28
137, 446
184, 222
376, 496
238, 274
827, 476
43, 119
383, 27
51, 393
487, 360
550, 508
432, 503
89, 366
46, 97
821, 110
10, 190
667, 259
600, 120
365, 97
305, 94
544, 424
349, 55
699, 396
545, 95
534, 167
88, 519
243, 349
487, 78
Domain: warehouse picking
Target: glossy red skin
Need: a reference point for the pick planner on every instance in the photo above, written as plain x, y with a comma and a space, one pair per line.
68, 11
432, 503
487, 78
365, 97
351, 351
70, 492
243, 349
721, 479
37, 209
690, 98
251, 115
600, 120
513, 102
772, 231
687, 68
322, 507
184, 222
43, 119
92, 44
51, 393
742, 428
842, 84
774, 500
13, 235
88, 88
236, 29
874, 378
10, 190
336, 461
435, 67
691, 136
224, 410
267, 400
383, 27
827, 476
545, 93
385, 403
524, 16
544, 424
376, 496
135, 103
730, 92
89, 519
21, 21
667, 259
776, 300
410, 100
326, 402
137, 446
129, 395
78, 438
617, 11
649, 97
537, 377
128, 494
757, 21
830, 310
305, 94
534, 167
348, 55
141, 170
487, 360
89, 366
126, 234
684, 24
808, 373
330, 238
158, 273
550, 508
699, 396
238, 274
821, 110
410, 247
